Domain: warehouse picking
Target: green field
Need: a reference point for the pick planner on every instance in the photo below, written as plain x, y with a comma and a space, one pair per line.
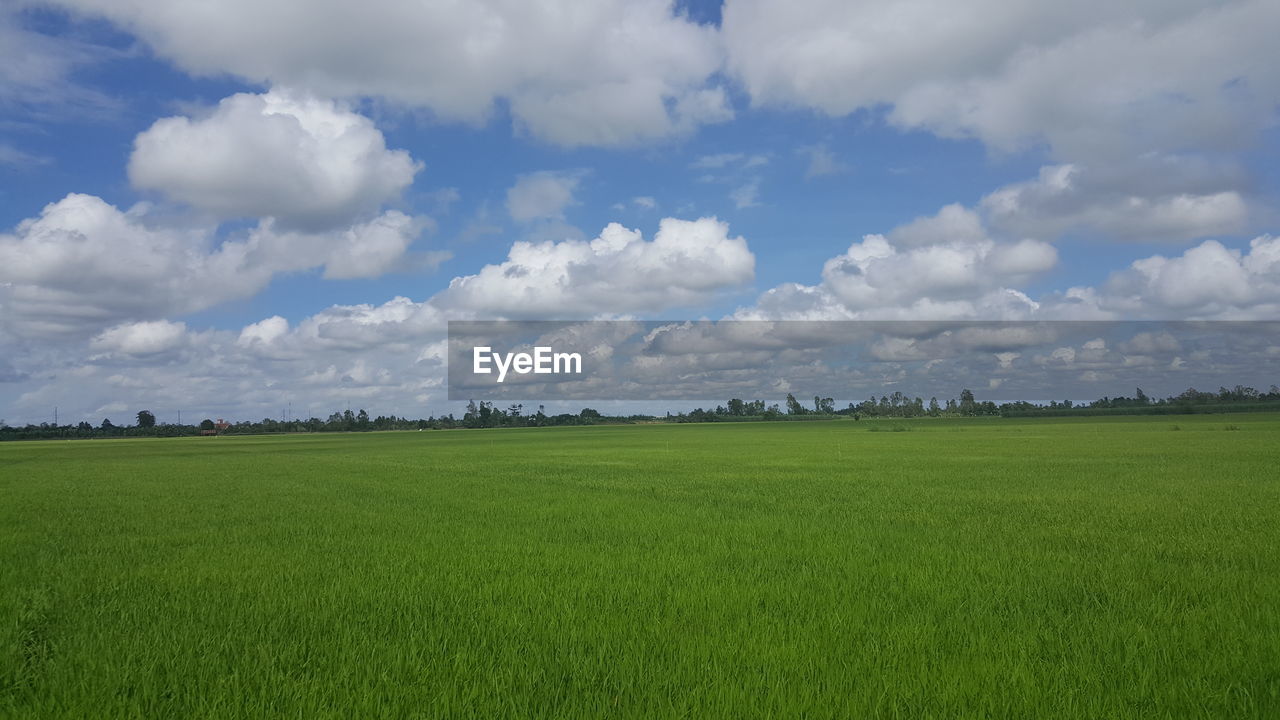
1052, 568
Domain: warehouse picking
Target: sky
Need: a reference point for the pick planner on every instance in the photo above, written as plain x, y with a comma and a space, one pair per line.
229, 209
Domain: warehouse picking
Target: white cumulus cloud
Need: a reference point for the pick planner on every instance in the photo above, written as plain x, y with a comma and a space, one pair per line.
84, 265
307, 162
686, 263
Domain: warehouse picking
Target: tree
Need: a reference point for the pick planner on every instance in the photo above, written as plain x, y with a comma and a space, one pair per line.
206, 424
968, 406
146, 419
793, 405
934, 409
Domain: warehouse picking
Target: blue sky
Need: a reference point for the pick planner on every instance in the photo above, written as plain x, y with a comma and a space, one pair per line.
914, 160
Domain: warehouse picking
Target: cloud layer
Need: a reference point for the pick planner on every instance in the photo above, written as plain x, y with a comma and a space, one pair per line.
1090, 79
602, 73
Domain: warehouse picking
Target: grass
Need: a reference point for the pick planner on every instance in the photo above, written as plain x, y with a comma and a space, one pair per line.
1048, 568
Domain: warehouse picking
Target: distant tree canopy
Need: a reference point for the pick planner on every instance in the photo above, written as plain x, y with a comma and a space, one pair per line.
484, 414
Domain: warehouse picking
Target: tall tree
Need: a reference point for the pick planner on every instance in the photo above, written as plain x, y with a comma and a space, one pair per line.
146, 419
793, 406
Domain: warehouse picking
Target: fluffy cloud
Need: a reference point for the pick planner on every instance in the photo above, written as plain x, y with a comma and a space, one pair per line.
1092, 79
978, 279
363, 250
541, 195
1207, 281
954, 223
603, 73
687, 262
84, 265
945, 267
306, 162
938, 267
1165, 201
141, 338
264, 332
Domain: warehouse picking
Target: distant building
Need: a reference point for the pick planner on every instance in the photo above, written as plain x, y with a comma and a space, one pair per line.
218, 427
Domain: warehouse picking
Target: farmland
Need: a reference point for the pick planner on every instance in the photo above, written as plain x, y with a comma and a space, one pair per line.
1076, 567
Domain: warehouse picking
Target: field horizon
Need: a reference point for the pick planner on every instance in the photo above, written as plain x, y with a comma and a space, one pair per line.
1053, 567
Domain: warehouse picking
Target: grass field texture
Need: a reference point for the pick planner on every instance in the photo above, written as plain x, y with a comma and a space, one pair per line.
1050, 568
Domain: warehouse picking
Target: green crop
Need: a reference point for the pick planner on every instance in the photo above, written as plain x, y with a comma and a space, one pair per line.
1048, 568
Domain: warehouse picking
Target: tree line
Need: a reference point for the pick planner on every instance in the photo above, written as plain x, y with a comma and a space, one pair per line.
485, 414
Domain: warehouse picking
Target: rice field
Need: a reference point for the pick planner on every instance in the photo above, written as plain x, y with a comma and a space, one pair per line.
1049, 568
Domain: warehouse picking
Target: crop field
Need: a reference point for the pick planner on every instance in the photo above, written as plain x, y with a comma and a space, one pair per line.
1050, 568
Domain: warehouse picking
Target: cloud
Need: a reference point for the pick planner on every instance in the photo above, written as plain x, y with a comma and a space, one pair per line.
608, 73
1161, 201
686, 263
11, 156
942, 266
947, 267
644, 201
747, 195
715, 162
822, 162
36, 73
722, 161
964, 277
306, 162
84, 265
264, 331
873, 275
141, 338
542, 195
953, 223
364, 250
1091, 80
1207, 281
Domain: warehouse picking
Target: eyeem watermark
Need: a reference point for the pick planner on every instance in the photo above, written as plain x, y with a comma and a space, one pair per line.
542, 361
710, 362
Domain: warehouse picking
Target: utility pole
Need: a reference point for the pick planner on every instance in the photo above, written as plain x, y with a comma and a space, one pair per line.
55, 416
